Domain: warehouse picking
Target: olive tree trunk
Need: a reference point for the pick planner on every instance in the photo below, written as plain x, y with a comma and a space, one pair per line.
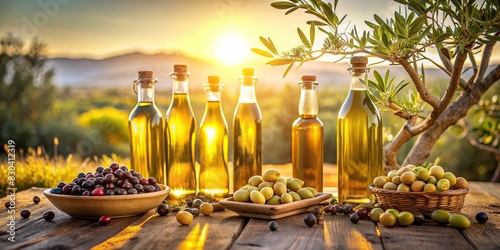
453, 113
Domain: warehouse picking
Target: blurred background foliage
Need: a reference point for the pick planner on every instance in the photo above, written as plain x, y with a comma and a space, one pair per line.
61, 131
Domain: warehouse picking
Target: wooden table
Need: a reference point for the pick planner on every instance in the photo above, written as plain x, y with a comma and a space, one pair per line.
227, 230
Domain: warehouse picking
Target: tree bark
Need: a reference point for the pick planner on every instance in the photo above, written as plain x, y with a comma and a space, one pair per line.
454, 112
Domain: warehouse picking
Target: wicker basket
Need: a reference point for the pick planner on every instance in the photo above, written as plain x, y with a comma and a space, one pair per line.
424, 202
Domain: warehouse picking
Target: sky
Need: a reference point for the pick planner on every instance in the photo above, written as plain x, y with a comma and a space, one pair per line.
223, 30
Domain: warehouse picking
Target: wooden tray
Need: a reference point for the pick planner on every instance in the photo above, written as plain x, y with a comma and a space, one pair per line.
271, 212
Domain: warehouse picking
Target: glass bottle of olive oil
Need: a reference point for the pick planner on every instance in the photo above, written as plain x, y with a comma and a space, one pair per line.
181, 138
214, 177
307, 137
145, 124
247, 137
359, 139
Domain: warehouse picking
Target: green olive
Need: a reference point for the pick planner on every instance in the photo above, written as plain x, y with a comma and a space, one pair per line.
184, 217
379, 181
408, 177
305, 193
257, 197
451, 177
295, 196
301, 182
282, 180
241, 195
390, 186
294, 185
440, 216
279, 188
275, 200
459, 221
443, 185
271, 175
314, 192
267, 192
265, 184
255, 180
286, 198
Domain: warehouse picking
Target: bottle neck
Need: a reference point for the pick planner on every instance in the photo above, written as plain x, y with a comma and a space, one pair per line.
179, 83
213, 94
146, 94
308, 102
359, 78
247, 89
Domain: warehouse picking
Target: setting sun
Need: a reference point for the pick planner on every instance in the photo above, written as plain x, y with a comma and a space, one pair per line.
231, 49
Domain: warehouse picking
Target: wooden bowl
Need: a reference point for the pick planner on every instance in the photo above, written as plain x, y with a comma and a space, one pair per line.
272, 212
115, 206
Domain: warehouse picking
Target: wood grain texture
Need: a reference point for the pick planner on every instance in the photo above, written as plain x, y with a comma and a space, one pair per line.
148, 231
227, 230
292, 233
482, 198
340, 233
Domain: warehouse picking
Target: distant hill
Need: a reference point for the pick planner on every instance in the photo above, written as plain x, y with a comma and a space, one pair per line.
120, 71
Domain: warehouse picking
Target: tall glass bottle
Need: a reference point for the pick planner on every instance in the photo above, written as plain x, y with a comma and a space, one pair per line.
359, 139
307, 137
145, 124
247, 127
181, 133
214, 177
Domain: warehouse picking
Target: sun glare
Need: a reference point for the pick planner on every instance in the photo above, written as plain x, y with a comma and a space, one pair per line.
231, 50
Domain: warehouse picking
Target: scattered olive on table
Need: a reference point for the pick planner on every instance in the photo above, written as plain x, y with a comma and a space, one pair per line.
273, 225
184, 217
49, 215
163, 209
354, 218
482, 217
310, 220
36, 199
25, 213
206, 208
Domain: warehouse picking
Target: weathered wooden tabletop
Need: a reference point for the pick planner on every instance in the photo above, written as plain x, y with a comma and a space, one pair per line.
227, 230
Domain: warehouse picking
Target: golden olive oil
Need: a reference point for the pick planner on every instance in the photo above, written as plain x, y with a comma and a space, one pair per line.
359, 141
248, 143
247, 133
146, 126
214, 176
181, 128
307, 137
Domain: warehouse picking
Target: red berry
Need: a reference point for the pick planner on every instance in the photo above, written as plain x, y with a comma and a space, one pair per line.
104, 220
97, 192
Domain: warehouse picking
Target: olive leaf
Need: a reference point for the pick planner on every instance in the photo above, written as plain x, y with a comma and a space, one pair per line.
303, 38
261, 52
269, 45
282, 5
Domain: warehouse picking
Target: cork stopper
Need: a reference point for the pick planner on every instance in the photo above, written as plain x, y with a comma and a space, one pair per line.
359, 63
146, 74
247, 72
308, 78
213, 79
214, 84
180, 68
145, 79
